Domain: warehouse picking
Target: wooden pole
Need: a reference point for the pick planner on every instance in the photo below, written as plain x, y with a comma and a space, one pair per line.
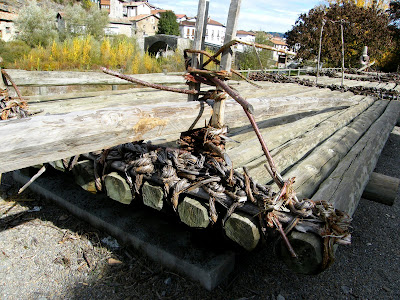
258, 57
341, 31
204, 31
226, 59
319, 50
381, 188
198, 39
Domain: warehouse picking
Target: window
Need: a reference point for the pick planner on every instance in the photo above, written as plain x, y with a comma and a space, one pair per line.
188, 32
192, 31
8, 30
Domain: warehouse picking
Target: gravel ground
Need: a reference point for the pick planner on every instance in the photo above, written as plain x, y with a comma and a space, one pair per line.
45, 253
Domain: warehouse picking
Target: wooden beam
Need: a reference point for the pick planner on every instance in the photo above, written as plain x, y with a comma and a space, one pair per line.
193, 213
313, 169
226, 59
62, 78
117, 188
381, 188
344, 187
243, 230
47, 138
153, 196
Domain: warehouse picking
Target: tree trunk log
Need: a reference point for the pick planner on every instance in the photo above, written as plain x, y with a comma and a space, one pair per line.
243, 230
153, 196
117, 188
193, 213
83, 173
344, 186
381, 188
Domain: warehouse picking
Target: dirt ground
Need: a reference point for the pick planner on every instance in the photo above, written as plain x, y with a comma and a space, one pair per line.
45, 253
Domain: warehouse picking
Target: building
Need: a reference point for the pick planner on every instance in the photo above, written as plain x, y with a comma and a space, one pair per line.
215, 31
134, 8
7, 26
244, 36
144, 24
279, 43
119, 26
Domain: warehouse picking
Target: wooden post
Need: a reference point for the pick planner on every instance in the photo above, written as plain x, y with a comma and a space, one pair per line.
298, 71
198, 38
319, 50
226, 59
205, 22
84, 175
381, 188
341, 30
152, 196
193, 213
243, 230
117, 188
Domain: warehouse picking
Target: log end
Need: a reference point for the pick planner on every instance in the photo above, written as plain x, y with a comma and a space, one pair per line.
193, 213
308, 248
152, 196
117, 188
243, 230
83, 173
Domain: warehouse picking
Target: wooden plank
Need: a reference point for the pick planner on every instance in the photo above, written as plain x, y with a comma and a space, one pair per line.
294, 150
47, 138
344, 187
226, 59
61, 78
381, 188
317, 166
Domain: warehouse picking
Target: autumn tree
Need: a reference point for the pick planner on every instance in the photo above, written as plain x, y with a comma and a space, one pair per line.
362, 27
167, 24
391, 60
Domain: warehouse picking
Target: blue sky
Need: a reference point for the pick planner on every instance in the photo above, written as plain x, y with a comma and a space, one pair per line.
267, 15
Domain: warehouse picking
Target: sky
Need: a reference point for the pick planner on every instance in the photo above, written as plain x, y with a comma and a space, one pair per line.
267, 15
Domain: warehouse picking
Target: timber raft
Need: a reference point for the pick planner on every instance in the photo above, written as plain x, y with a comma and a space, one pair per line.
328, 140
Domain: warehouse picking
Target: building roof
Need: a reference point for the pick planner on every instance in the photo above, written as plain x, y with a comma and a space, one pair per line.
193, 23
6, 16
278, 41
136, 4
140, 17
242, 32
180, 16
158, 11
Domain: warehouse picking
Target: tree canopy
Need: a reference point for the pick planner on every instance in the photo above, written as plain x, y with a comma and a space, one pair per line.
36, 25
167, 24
363, 26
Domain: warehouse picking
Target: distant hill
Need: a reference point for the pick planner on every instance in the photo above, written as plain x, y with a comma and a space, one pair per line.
279, 34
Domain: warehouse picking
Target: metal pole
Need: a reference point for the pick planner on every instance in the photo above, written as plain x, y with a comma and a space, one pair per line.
198, 38
341, 29
218, 119
319, 50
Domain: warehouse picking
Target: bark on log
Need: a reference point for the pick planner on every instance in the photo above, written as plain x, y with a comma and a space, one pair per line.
344, 186
153, 196
193, 213
312, 170
243, 230
117, 188
84, 175
381, 188
289, 153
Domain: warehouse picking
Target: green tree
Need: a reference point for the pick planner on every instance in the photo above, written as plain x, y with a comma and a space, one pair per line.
79, 21
249, 60
167, 24
363, 27
36, 25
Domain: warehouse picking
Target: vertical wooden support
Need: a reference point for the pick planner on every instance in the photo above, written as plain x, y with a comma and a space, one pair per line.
226, 59
319, 50
205, 22
341, 31
198, 38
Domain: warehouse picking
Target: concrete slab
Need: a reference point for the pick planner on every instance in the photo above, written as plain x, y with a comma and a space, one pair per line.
153, 233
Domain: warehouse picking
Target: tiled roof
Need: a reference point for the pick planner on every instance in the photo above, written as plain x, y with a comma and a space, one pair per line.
278, 42
242, 32
140, 17
120, 21
6, 16
193, 23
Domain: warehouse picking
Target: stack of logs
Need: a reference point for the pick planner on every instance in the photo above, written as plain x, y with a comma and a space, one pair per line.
379, 93
198, 183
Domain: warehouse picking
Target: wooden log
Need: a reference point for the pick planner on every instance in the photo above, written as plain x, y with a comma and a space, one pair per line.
152, 196
344, 186
61, 78
312, 170
117, 188
289, 153
84, 175
193, 213
381, 188
58, 165
308, 248
48, 138
243, 230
